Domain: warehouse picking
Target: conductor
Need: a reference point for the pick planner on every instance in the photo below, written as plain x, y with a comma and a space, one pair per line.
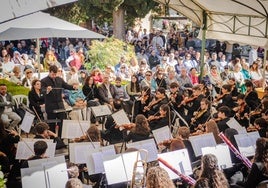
53, 87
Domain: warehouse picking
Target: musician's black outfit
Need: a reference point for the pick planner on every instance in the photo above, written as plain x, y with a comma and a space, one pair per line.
53, 99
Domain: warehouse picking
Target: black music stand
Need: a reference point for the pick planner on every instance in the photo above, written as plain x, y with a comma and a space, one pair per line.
101, 111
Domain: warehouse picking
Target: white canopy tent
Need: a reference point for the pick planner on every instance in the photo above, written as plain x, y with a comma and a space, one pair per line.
11, 9
235, 21
39, 24
241, 21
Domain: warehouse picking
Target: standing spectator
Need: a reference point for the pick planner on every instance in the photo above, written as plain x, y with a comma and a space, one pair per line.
10, 118
157, 41
74, 59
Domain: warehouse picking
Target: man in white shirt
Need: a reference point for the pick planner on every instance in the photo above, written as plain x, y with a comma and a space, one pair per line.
10, 118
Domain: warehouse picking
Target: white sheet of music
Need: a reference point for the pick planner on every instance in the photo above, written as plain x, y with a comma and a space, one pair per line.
119, 168
45, 161
25, 149
50, 175
95, 159
247, 143
120, 117
222, 153
27, 122
72, 128
79, 152
36, 139
148, 145
232, 123
33, 177
162, 134
201, 141
179, 159
101, 110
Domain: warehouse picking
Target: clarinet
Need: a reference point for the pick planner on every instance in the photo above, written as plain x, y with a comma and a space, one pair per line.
244, 159
184, 177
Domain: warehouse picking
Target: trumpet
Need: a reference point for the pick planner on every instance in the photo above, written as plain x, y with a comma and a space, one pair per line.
139, 171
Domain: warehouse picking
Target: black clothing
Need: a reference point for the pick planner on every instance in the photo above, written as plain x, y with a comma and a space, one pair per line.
135, 137
222, 124
252, 100
159, 123
103, 93
35, 102
255, 176
90, 92
53, 99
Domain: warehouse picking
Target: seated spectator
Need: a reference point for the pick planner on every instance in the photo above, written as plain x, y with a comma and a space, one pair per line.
50, 59
121, 98
7, 66
16, 76
10, 118
74, 183
27, 80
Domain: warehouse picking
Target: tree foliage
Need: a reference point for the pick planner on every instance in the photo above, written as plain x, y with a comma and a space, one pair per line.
101, 10
109, 52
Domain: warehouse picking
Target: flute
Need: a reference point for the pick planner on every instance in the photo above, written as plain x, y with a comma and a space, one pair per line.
244, 159
184, 177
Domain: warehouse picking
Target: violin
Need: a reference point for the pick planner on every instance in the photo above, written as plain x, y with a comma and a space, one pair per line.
151, 104
125, 126
198, 114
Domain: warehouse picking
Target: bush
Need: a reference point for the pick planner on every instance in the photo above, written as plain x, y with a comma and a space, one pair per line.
108, 51
15, 89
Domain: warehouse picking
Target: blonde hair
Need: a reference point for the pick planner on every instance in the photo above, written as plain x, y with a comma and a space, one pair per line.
158, 177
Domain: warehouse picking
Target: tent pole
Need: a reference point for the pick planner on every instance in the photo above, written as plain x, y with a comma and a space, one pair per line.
204, 30
264, 65
38, 56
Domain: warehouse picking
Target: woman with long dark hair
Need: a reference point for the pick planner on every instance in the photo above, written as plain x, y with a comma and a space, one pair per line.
36, 98
133, 88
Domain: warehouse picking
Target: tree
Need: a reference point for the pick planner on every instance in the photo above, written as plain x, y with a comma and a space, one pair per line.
122, 12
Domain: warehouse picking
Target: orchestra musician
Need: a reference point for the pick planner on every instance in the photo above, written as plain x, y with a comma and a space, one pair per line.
195, 102
201, 116
159, 99
223, 118
242, 111
234, 91
139, 130
161, 119
175, 97
251, 96
225, 97
144, 100
260, 125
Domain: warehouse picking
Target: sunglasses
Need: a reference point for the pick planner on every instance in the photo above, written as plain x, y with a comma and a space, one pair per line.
148, 75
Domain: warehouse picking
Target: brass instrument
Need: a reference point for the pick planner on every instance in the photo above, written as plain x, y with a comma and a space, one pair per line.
139, 170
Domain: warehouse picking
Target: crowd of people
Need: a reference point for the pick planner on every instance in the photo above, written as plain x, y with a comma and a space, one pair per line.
163, 83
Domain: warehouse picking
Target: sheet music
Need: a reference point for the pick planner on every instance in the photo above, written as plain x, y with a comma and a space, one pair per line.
79, 152
247, 143
25, 149
95, 159
148, 145
101, 110
71, 128
27, 122
162, 134
44, 161
45, 176
33, 177
179, 159
232, 123
222, 153
119, 168
120, 117
201, 141
36, 139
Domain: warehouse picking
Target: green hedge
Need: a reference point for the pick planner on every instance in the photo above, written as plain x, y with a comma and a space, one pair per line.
15, 89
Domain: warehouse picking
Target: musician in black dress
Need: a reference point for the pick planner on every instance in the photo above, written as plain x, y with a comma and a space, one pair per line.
192, 103
160, 98
161, 119
251, 96
223, 118
201, 116
242, 111
176, 97
36, 98
144, 100
53, 86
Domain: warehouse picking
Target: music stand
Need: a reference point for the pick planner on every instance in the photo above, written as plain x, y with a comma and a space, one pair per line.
101, 111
